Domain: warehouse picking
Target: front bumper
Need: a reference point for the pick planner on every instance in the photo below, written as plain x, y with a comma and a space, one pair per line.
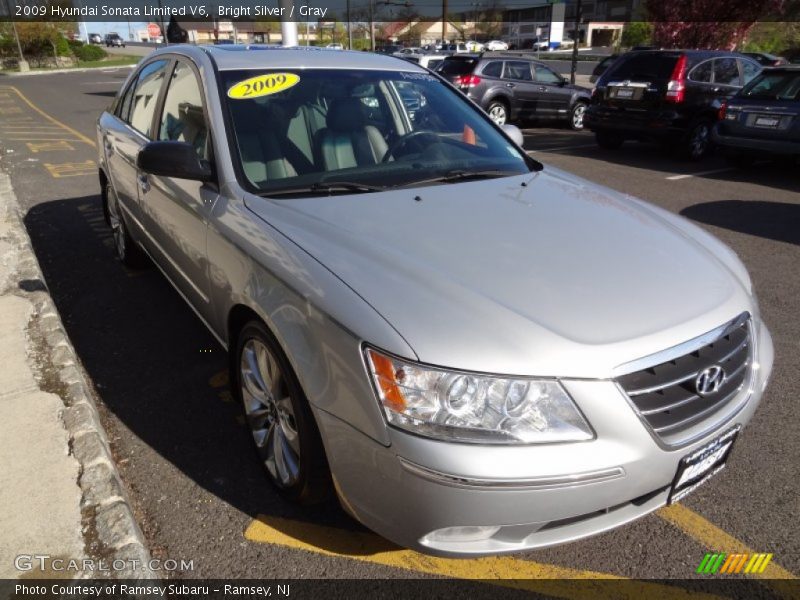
536, 495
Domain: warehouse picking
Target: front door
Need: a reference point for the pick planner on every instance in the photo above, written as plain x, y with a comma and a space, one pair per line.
177, 209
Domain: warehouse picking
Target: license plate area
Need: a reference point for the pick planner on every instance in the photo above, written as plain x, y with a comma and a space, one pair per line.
768, 122
701, 465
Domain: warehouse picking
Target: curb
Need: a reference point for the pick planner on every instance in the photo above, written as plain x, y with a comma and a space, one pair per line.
75, 70
110, 531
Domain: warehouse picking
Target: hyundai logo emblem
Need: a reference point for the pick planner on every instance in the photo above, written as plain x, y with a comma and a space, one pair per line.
709, 380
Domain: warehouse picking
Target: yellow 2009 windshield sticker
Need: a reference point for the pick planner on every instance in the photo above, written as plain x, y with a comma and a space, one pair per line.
263, 85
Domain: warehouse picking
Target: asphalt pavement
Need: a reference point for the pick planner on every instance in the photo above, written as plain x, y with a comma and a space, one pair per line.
194, 479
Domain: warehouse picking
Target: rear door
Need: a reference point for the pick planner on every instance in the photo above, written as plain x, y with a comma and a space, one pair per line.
178, 209
637, 82
518, 80
125, 135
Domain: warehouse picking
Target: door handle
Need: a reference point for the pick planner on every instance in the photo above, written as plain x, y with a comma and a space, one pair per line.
542, 88
510, 85
144, 183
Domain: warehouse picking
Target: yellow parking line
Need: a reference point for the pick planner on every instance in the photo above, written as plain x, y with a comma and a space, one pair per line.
74, 132
503, 571
715, 538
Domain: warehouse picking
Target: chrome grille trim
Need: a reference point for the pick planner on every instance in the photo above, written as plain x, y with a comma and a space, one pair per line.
662, 389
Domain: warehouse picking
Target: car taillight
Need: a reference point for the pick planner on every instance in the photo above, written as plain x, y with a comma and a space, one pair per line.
722, 110
676, 88
468, 81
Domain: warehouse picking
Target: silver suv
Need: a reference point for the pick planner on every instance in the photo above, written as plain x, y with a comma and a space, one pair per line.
477, 353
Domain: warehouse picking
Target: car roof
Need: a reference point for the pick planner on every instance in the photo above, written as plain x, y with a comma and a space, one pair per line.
258, 56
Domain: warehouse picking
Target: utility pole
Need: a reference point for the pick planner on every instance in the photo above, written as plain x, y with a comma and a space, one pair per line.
444, 22
575, 40
288, 25
22, 64
371, 28
349, 28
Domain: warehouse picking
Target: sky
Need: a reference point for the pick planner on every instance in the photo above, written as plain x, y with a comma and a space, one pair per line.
120, 27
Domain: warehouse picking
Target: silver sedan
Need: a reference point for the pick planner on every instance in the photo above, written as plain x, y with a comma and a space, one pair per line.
476, 353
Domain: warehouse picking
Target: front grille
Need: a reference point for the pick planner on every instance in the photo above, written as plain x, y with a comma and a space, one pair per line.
666, 395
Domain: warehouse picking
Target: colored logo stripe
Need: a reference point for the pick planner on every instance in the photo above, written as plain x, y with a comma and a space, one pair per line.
734, 563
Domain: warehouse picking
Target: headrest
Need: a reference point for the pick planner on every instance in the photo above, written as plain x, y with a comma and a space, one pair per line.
345, 114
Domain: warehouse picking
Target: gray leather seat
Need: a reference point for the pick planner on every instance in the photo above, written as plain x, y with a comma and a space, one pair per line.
266, 153
348, 141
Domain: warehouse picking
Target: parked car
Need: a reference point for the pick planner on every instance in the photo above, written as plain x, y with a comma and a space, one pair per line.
667, 95
95, 38
601, 67
511, 87
335, 46
767, 60
537, 43
496, 45
473, 46
405, 52
457, 48
763, 119
484, 354
431, 61
114, 39
389, 49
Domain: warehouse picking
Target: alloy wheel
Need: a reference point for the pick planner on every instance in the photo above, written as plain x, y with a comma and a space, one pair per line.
498, 114
699, 141
269, 412
577, 115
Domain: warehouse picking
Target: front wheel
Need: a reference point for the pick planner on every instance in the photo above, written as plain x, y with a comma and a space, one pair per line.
498, 112
576, 116
280, 420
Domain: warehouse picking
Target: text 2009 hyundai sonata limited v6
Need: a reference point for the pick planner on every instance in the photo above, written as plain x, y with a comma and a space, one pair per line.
479, 354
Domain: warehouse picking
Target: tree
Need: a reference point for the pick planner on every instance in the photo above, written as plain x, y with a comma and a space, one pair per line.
706, 23
636, 33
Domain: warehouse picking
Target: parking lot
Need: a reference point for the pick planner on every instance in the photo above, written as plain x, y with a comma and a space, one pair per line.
180, 441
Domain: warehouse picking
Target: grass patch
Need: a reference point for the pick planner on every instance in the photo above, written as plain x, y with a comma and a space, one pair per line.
115, 61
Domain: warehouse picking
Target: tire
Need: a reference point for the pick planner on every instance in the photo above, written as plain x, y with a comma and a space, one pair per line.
127, 250
498, 112
576, 116
609, 141
697, 142
278, 415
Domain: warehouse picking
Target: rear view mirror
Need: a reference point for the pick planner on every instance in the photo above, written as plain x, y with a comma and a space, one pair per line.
173, 159
514, 133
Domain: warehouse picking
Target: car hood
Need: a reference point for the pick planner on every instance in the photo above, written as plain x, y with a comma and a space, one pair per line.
557, 277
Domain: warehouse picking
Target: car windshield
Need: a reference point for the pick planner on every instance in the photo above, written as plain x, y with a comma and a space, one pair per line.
775, 85
345, 131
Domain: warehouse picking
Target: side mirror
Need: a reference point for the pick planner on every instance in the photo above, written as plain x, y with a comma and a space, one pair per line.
173, 159
514, 133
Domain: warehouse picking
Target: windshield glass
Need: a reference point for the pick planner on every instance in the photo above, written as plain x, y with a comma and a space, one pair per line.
379, 129
776, 85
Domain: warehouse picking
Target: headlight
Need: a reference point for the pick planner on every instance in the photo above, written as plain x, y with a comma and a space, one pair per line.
469, 407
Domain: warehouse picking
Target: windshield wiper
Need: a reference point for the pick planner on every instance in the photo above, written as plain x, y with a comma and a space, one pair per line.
331, 187
458, 176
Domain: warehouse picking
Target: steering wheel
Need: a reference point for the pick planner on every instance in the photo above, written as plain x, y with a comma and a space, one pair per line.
404, 139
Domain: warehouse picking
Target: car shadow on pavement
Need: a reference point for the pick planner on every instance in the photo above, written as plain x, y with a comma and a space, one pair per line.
157, 370
777, 221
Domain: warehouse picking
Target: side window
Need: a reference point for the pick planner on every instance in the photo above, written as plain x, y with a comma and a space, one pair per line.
545, 75
493, 69
145, 96
750, 70
726, 71
519, 70
702, 72
183, 119
124, 105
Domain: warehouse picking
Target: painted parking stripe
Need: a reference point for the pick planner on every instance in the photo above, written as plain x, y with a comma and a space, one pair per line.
714, 538
689, 175
504, 571
53, 120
